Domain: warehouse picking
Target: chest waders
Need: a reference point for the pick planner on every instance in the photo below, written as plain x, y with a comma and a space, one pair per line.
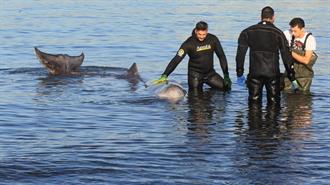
303, 72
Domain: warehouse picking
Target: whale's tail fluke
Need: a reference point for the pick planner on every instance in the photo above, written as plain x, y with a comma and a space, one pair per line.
60, 63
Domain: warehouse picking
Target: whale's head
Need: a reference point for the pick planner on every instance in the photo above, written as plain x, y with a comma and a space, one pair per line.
172, 92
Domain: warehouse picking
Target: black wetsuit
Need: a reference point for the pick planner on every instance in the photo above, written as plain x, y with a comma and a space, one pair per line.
200, 66
264, 41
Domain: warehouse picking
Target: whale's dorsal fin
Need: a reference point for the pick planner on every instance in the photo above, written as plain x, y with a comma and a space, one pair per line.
133, 70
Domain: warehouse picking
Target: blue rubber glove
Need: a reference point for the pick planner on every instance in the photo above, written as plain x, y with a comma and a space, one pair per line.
241, 80
162, 79
295, 85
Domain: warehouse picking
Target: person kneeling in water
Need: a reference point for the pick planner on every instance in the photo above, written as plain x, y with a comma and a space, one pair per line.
200, 48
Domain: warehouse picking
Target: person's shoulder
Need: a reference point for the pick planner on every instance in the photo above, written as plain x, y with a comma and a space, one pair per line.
188, 42
310, 42
254, 26
311, 39
279, 31
249, 28
287, 34
189, 39
212, 36
310, 36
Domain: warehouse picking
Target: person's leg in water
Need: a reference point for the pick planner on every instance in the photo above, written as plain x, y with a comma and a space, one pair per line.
273, 91
215, 81
195, 82
255, 90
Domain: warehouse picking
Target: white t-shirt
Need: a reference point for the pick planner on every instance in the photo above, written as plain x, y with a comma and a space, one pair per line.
298, 42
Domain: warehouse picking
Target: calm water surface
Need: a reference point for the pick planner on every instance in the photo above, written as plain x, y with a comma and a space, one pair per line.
100, 128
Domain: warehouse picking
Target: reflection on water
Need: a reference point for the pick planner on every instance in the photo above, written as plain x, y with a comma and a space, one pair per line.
297, 115
201, 107
298, 109
257, 117
264, 147
103, 126
51, 81
205, 109
200, 114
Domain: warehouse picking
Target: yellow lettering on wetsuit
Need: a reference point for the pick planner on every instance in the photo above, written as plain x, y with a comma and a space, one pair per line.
202, 48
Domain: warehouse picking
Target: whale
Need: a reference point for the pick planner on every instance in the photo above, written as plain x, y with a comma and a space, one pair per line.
63, 64
58, 64
171, 91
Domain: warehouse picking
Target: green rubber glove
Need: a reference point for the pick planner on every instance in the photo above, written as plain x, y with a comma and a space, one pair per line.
162, 79
227, 81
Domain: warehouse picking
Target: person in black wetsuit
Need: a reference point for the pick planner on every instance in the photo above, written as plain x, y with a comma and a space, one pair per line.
200, 48
264, 40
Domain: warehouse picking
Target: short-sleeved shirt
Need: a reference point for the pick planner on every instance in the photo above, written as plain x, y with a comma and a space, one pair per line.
299, 42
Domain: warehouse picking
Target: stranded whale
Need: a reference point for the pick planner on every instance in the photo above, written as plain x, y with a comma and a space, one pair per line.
63, 64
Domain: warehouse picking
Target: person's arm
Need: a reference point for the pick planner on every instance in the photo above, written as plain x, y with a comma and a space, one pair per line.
223, 63
303, 59
310, 47
286, 56
176, 59
221, 55
241, 52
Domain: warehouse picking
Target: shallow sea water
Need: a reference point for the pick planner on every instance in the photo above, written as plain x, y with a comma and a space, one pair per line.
101, 128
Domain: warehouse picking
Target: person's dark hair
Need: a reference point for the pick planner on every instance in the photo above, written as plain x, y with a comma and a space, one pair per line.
267, 12
201, 25
297, 22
